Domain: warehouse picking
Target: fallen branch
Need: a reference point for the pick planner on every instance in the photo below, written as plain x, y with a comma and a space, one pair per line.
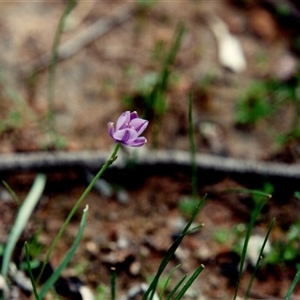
166, 160
82, 38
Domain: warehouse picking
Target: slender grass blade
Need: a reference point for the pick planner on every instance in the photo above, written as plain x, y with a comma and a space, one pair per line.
171, 251
30, 272
293, 285
22, 218
51, 281
251, 224
259, 258
189, 282
167, 282
177, 286
11, 191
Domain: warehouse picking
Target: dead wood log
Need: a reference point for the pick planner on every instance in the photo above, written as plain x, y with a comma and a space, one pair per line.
93, 160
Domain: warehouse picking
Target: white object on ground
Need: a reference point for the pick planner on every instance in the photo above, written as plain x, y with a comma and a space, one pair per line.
230, 52
254, 247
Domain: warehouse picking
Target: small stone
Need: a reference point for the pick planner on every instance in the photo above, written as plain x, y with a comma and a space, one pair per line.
101, 185
203, 252
286, 67
122, 242
122, 196
92, 248
5, 196
86, 293
135, 268
3, 285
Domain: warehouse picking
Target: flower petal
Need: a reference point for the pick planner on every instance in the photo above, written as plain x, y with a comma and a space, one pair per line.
111, 129
123, 120
138, 142
127, 129
139, 125
133, 115
125, 136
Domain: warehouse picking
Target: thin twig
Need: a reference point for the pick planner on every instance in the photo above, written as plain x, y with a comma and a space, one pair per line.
82, 38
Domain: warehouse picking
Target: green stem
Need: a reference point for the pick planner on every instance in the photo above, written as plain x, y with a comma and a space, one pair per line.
111, 159
53, 63
113, 283
192, 149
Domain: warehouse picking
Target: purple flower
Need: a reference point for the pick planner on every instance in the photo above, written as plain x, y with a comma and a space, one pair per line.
129, 127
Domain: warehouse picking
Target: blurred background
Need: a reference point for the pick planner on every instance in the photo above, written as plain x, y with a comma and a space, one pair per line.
240, 58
